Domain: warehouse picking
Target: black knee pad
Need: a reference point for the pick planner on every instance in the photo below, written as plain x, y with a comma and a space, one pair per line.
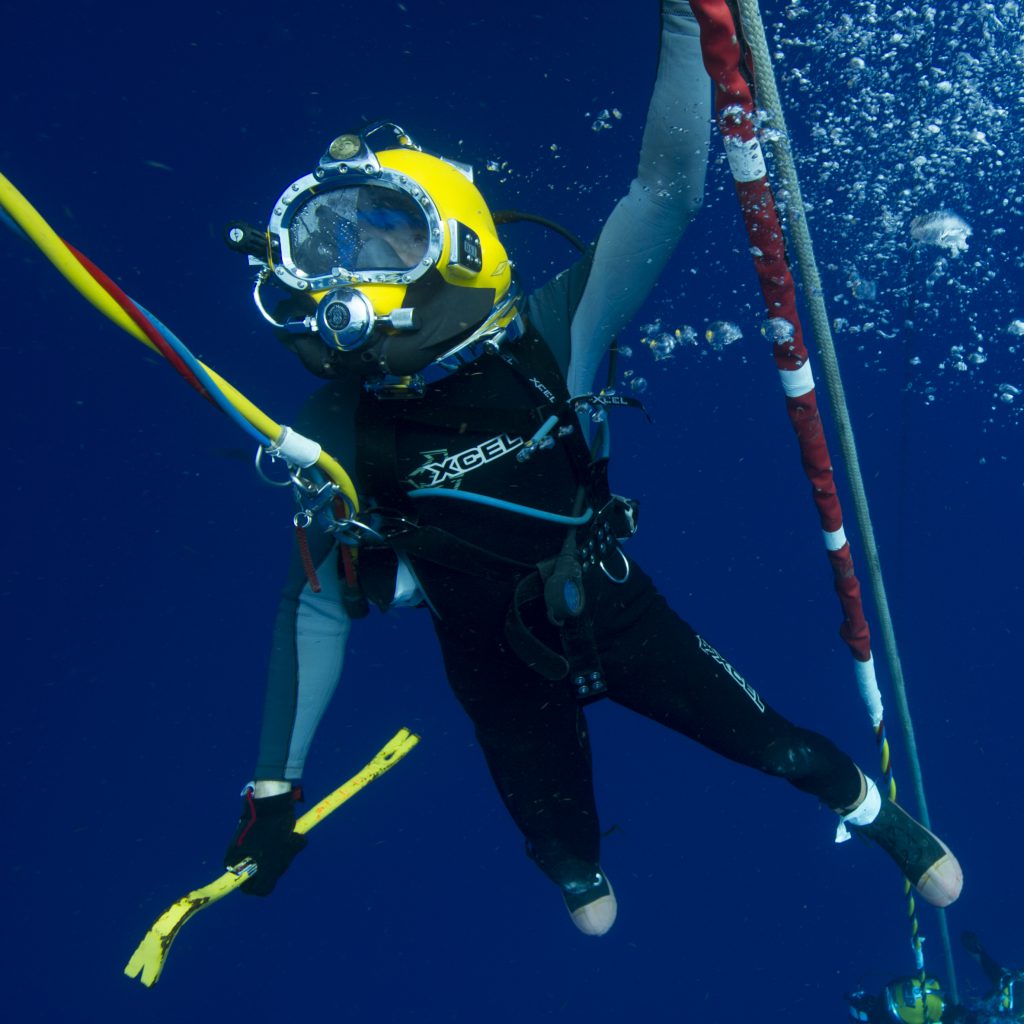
815, 765
793, 759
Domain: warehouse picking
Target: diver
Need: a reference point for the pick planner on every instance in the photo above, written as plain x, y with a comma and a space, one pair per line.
464, 410
913, 1001
1005, 1000
904, 1001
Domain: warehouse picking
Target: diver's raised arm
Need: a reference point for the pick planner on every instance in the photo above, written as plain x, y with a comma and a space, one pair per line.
648, 222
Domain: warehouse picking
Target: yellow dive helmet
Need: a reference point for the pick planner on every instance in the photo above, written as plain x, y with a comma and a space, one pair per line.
913, 1002
393, 255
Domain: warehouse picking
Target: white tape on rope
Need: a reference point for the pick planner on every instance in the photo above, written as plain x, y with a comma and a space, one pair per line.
869, 691
834, 539
797, 382
746, 160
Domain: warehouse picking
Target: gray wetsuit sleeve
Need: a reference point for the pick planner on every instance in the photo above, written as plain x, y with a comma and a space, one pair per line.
311, 629
647, 224
306, 659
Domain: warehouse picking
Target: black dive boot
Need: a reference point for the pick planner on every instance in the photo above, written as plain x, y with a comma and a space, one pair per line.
922, 857
592, 905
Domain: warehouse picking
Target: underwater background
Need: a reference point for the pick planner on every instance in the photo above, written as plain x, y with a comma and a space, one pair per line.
142, 557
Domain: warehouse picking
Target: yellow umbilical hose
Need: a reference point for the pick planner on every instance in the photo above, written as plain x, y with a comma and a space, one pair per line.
57, 252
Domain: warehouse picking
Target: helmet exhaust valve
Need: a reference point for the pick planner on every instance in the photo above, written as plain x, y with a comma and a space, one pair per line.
345, 319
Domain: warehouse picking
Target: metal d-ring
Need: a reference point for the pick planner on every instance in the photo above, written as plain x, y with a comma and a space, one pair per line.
262, 452
625, 566
339, 526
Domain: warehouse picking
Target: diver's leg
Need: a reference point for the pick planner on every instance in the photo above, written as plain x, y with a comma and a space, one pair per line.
658, 666
648, 222
534, 737
994, 971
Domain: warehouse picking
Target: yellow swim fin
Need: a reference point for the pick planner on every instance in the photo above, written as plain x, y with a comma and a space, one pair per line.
151, 953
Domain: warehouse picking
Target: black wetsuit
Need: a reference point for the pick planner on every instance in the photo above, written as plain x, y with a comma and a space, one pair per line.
465, 433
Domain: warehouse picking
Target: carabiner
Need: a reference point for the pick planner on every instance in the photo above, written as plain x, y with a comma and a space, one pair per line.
625, 566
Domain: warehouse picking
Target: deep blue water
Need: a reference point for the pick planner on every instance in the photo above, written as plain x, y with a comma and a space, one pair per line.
143, 558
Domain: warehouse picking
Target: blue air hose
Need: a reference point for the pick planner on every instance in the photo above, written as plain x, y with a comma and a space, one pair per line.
506, 506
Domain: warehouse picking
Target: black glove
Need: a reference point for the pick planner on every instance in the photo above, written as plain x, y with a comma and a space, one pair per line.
266, 833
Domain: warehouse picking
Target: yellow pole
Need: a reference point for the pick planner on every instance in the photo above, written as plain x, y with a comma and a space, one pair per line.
151, 953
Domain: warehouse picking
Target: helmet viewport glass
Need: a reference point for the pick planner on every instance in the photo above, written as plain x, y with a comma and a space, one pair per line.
367, 227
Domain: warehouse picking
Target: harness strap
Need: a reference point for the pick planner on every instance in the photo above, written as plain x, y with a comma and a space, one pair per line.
432, 544
579, 660
532, 652
557, 582
544, 394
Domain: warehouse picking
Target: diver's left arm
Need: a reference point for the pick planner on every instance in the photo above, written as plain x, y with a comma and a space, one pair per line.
307, 656
647, 224
306, 660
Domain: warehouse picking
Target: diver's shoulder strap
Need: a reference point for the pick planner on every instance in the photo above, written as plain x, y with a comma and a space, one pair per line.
519, 389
